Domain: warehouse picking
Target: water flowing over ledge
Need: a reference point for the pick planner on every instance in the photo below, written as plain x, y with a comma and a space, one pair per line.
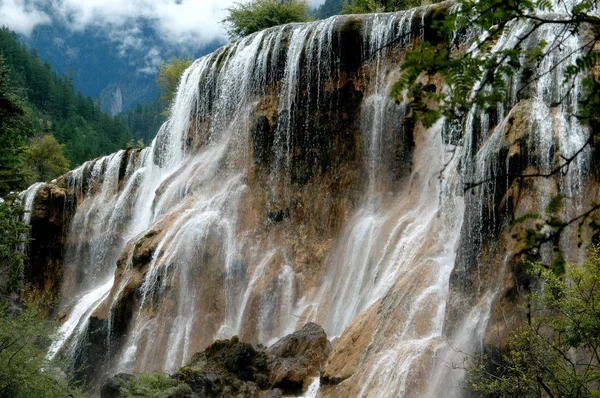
286, 187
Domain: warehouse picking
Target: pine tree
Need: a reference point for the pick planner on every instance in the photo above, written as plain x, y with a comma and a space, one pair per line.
15, 129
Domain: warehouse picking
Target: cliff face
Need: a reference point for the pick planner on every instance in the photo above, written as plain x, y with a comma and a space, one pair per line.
289, 187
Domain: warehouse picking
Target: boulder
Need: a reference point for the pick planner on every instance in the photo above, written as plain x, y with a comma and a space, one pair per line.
231, 368
297, 357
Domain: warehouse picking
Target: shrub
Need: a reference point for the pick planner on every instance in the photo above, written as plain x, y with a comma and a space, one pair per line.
255, 15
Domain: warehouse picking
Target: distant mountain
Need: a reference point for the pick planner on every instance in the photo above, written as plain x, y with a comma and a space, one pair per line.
118, 71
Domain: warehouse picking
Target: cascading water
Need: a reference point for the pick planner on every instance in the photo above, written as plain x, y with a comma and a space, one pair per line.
286, 187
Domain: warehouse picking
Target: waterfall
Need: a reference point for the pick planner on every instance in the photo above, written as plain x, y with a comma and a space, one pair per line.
287, 186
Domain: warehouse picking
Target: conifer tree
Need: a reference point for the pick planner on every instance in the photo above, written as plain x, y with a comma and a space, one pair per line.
15, 129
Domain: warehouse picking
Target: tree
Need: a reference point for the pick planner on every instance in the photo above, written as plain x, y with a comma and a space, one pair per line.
478, 75
145, 121
54, 106
12, 239
329, 8
557, 354
254, 15
170, 75
24, 369
44, 159
15, 128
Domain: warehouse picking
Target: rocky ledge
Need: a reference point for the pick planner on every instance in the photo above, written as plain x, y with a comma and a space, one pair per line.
231, 368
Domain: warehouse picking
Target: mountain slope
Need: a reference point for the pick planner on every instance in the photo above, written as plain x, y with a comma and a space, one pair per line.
58, 109
101, 66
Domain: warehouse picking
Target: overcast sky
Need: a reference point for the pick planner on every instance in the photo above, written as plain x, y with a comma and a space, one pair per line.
187, 22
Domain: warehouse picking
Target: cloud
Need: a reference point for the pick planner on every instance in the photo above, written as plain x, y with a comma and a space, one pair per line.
189, 22
187, 25
21, 16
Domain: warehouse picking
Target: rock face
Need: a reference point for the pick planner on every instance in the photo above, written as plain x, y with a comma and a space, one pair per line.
51, 210
49, 218
231, 368
350, 349
287, 188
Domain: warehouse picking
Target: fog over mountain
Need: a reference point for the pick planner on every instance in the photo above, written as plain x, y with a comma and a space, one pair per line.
113, 44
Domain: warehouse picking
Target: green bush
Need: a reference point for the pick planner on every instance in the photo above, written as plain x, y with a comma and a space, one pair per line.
156, 385
44, 159
255, 15
557, 353
24, 370
11, 239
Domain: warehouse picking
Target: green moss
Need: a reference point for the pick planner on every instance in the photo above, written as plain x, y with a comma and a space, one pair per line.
353, 26
222, 58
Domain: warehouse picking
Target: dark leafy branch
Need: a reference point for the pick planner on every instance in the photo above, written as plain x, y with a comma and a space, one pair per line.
481, 75
561, 168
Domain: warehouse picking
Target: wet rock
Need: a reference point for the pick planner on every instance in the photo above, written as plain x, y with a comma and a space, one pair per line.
49, 222
227, 368
350, 348
297, 357
144, 248
279, 216
596, 68
274, 393
230, 368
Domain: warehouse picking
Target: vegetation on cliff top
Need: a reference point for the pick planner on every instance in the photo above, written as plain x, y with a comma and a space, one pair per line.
169, 77
252, 16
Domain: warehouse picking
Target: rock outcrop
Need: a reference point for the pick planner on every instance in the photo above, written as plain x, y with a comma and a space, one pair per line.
231, 368
49, 221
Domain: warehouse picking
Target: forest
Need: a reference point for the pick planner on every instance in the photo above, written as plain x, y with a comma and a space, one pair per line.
55, 108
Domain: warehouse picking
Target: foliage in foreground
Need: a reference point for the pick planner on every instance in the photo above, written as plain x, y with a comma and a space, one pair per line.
154, 386
481, 74
24, 335
481, 78
12, 238
557, 354
24, 370
254, 15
